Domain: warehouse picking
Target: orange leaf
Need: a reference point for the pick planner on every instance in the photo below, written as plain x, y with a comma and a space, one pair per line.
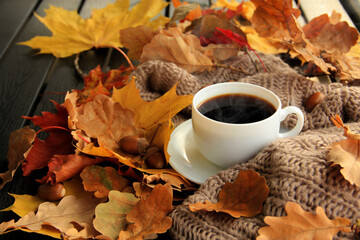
174, 46
102, 180
244, 197
299, 225
149, 216
346, 153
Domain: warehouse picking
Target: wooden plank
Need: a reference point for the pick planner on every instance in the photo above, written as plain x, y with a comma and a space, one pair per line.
13, 14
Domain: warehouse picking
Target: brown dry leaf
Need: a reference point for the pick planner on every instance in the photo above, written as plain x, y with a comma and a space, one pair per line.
244, 197
177, 182
149, 216
110, 217
19, 143
71, 216
107, 121
299, 225
102, 180
330, 35
270, 18
141, 190
135, 38
174, 46
346, 153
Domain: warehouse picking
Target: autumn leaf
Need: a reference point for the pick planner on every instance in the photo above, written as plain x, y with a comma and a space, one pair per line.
110, 217
149, 215
185, 11
19, 142
329, 34
102, 180
135, 38
99, 82
107, 121
72, 34
67, 216
174, 46
177, 182
151, 113
58, 141
64, 167
346, 153
299, 224
244, 197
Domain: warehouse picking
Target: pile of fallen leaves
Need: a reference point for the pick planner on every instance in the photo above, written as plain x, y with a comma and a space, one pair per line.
106, 166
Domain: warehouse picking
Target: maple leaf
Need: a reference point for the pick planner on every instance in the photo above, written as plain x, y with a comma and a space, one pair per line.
149, 215
299, 224
72, 34
57, 142
346, 153
173, 45
67, 216
149, 114
110, 217
243, 197
19, 143
98, 82
102, 180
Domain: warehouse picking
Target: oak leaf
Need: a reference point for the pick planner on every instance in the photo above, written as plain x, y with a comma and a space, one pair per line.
110, 217
172, 45
149, 216
70, 214
177, 182
244, 197
72, 34
346, 153
102, 180
19, 143
299, 224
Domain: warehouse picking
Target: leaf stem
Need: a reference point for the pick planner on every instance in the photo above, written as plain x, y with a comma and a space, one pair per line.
77, 67
122, 52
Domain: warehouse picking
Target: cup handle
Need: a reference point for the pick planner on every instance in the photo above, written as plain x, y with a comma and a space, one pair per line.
300, 121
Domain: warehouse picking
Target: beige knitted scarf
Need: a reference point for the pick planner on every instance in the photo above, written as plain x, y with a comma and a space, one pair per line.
295, 168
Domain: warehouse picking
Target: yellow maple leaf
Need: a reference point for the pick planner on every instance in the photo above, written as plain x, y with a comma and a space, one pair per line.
72, 34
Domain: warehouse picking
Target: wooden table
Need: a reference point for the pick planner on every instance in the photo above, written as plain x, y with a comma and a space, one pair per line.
29, 81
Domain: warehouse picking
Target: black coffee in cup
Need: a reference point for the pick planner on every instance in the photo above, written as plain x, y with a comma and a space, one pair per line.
236, 108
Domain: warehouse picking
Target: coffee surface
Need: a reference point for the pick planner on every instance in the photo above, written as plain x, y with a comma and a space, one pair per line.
236, 108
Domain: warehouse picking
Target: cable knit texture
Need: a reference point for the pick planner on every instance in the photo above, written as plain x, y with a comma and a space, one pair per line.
295, 168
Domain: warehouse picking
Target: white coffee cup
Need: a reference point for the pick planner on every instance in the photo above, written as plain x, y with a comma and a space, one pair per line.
226, 144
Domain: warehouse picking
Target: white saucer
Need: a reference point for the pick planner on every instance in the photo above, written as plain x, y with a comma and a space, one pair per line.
185, 158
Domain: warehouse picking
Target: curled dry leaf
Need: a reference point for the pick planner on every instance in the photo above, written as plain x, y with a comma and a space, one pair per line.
185, 11
244, 197
149, 216
299, 224
19, 143
346, 153
174, 46
70, 213
110, 217
102, 180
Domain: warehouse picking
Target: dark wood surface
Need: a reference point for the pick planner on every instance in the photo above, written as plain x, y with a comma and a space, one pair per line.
29, 80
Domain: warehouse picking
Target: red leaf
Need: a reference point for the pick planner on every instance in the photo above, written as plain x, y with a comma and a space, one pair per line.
57, 143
